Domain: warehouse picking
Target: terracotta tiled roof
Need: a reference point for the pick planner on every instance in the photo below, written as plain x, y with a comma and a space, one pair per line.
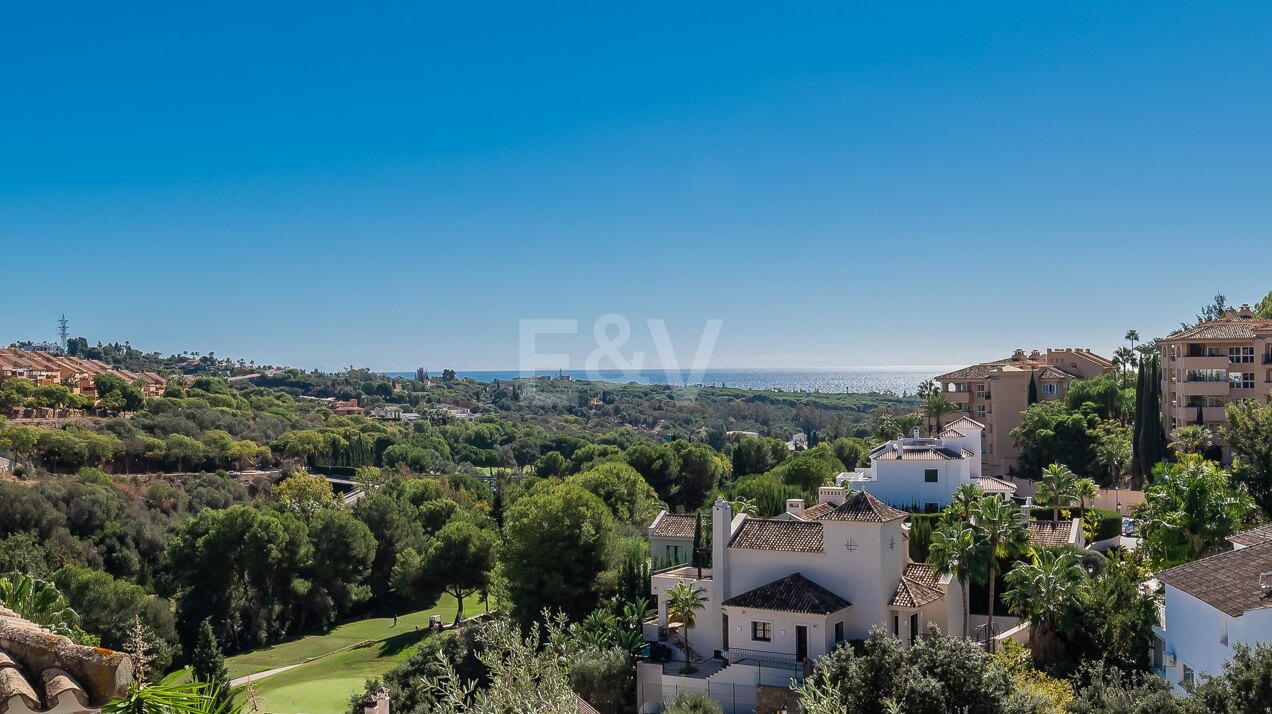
976, 371
793, 593
767, 534
1052, 372
861, 507
675, 526
912, 593
1254, 536
1228, 582
813, 513
1051, 534
918, 452
989, 484
920, 573
1227, 329
40, 671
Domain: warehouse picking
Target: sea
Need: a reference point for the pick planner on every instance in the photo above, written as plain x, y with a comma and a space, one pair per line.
901, 381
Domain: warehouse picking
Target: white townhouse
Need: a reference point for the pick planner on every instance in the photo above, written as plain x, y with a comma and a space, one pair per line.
782, 592
923, 473
1213, 604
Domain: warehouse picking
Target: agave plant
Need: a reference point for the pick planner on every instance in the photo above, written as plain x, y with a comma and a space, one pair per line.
190, 698
38, 601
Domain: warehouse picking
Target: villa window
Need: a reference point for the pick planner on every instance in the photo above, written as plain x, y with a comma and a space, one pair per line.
1241, 380
929, 475
896, 625
931, 508
1241, 355
1223, 633
980, 391
839, 631
1051, 389
1189, 676
980, 411
762, 631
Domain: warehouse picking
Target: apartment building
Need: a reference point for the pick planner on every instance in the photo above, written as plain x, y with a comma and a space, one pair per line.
996, 393
45, 368
1217, 362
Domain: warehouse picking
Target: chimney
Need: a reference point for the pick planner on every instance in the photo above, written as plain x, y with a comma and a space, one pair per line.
829, 494
1245, 311
377, 703
916, 432
1018, 355
1035, 355
795, 507
1025, 512
721, 534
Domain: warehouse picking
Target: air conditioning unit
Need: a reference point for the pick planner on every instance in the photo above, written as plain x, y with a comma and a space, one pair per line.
1168, 659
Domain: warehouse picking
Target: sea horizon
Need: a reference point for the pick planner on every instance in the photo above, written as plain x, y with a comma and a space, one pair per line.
895, 379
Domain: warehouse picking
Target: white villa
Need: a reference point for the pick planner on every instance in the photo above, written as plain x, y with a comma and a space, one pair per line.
1212, 604
923, 473
782, 592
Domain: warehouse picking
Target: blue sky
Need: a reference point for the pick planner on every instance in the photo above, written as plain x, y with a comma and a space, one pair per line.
401, 184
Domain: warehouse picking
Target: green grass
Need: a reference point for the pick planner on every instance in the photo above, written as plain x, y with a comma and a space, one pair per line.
298, 650
337, 663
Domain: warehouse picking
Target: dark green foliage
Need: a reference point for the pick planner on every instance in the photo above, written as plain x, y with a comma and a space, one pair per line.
767, 491
757, 455
1033, 391
556, 546
938, 675
1108, 690
207, 664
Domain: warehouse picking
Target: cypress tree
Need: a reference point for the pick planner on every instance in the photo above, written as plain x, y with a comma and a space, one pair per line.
1141, 381
1033, 390
208, 664
697, 540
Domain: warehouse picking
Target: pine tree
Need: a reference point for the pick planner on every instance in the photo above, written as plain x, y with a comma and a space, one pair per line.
208, 664
697, 540
1033, 390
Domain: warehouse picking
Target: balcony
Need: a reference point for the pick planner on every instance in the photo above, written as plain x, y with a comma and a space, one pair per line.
1204, 362
959, 397
1204, 389
1209, 415
1267, 358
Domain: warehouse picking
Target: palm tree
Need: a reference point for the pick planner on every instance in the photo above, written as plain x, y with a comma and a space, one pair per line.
907, 423
1049, 595
963, 503
1126, 360
1191, 439
683, 603
956, 550
1057, 485
743, 505
1086, 490
189, 698
1132, 336
935, 406
1002, 535
38, 601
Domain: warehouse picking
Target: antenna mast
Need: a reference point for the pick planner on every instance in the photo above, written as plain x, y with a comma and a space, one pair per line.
62, 331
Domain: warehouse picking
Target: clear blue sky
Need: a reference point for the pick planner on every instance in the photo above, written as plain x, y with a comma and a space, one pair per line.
398, 185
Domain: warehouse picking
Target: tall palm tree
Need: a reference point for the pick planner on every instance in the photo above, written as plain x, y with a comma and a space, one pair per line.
1126, 360
1191, 439
1086, 490
1049, 595
956, 550
683, 603
1002, 535
1058, 485
963, 503
38, 601
935, 406
1132, 336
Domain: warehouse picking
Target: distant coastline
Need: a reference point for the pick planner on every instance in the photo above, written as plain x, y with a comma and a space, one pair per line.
857, 380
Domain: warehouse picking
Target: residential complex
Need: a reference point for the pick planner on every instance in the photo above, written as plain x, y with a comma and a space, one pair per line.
996, 393
45, 368
1217, 362
1212, 605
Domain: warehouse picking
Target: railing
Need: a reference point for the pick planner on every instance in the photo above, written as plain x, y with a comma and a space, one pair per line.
1267, 358
763, 658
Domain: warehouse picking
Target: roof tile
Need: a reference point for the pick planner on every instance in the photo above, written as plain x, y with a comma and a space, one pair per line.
793, 593
1229, 582
769, 534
